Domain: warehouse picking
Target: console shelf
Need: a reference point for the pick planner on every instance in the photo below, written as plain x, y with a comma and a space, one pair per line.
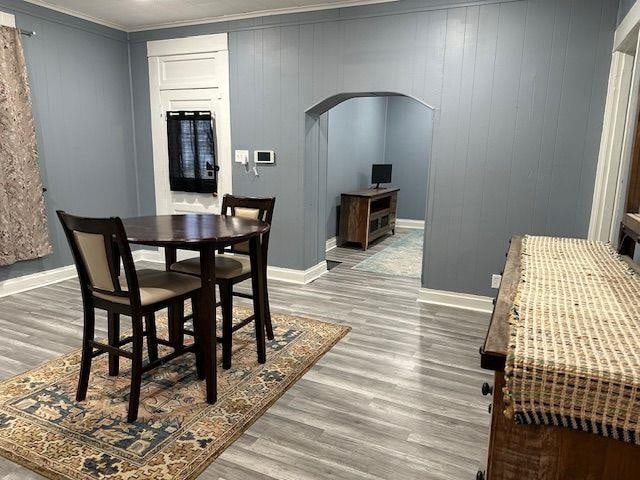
366, 215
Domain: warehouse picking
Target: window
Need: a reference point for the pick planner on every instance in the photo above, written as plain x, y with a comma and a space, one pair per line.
193, 165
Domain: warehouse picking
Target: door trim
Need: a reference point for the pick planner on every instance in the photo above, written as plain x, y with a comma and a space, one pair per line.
194, 48
618, 131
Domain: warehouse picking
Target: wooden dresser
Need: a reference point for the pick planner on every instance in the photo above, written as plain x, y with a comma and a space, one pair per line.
367, 214
531, 452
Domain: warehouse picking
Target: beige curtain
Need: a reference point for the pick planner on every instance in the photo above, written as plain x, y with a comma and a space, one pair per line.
23, 222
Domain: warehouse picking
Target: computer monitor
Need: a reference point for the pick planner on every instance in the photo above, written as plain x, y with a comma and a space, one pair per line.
380, 173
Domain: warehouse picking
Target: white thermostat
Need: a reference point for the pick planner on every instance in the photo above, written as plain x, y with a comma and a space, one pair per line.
264, 156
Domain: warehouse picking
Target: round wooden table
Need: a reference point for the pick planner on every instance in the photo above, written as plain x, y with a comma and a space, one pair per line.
206, 233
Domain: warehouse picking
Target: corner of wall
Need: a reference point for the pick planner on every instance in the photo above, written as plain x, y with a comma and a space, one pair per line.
133, 126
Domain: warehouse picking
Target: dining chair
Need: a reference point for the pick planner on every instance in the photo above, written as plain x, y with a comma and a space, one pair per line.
234, 266
97, 246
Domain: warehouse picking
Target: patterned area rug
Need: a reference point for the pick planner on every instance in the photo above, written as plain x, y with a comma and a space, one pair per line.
177, 434
402, 258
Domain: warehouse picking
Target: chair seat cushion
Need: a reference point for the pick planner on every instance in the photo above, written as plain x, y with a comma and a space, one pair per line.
157, 286
227, 266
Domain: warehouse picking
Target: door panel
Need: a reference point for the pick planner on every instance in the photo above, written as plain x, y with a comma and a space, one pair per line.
193, 75
202, 100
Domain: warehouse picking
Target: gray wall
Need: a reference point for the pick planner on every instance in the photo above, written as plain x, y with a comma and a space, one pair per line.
519, 88
408, 148
356, 139
79, 76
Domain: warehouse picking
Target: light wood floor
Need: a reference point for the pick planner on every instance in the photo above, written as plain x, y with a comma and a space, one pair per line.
398, 398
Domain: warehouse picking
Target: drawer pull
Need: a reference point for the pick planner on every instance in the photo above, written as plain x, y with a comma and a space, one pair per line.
480, 475
487, 389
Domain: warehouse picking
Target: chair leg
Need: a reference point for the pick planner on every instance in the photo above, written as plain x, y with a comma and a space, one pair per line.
136, 369
195, 302
176, 324
87, 351
113, 327
152, 336
226, 297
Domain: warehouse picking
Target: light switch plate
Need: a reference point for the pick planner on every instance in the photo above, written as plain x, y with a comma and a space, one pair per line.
496, 280
242, 156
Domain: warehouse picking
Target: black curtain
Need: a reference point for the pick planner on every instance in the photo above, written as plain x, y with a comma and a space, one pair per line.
193, 166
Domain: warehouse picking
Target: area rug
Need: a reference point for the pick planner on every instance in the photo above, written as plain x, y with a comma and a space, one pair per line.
177, 434
402, 258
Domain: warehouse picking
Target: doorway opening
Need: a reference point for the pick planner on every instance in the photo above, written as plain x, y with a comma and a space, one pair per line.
364, 139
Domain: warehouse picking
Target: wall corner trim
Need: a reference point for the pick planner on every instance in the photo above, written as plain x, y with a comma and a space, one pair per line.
462, 301
300, 277
409, 223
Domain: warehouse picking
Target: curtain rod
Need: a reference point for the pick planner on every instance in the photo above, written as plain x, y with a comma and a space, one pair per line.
27, 33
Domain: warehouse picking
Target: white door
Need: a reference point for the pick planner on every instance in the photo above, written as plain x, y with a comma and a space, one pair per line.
205, 99
189, 74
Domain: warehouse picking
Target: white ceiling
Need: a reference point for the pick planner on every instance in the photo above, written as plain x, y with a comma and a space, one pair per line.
133, 15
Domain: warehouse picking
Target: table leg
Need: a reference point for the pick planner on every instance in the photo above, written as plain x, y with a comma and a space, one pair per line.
258, 284
176, 310
206, 323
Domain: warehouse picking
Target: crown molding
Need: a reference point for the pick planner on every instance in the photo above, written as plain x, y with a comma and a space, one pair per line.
74, 13
214, 19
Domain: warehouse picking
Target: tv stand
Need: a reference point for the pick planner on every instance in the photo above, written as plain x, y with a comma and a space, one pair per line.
368, 214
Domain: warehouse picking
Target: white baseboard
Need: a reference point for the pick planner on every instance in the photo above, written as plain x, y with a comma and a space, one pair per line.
35, 280
464, 301
49, 277
290, 275
331, 244
408, 223
55, 275
155, 256
300, 277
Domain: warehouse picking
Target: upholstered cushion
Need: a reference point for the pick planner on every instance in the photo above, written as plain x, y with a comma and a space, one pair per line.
157, 286
243, 212
227, 266
94, 256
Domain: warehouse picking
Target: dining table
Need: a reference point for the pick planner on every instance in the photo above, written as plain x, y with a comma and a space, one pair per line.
206, 233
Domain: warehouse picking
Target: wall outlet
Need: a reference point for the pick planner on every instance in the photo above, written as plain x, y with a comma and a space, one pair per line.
495, 280
242, 156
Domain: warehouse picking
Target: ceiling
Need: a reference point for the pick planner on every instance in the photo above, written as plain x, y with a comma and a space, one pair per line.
133, 15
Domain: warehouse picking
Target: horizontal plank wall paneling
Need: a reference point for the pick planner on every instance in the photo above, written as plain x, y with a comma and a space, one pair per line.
519, 88
79, 77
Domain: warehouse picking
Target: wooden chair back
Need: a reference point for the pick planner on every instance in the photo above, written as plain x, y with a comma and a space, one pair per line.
253, 208
97, 244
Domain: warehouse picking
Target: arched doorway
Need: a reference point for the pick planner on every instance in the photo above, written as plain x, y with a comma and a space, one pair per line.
315, 169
